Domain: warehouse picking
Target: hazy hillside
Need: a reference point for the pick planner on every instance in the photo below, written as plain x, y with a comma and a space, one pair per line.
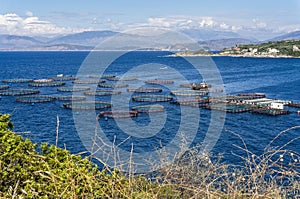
210, 40
288, 48
216, 45
288, 36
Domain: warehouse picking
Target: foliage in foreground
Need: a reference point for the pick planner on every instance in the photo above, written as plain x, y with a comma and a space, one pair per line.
31, 171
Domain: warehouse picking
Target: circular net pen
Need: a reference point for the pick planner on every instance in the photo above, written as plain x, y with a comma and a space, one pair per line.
106, 85
118, 114
186, 85
73, 89
64, 78
156, 81
87, 105
17, 80
128, 79
193, 102
36, 98
88, 81
43, 80
149, 108
19, 92
4, 87
71, 98
189, 93
144, 90
102, 92
47, 84
104, 76
152, 98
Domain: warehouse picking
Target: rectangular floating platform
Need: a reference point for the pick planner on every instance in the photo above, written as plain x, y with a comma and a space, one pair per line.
229, 108
294, 104
271, 112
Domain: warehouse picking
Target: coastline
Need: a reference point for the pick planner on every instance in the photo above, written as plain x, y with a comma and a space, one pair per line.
232, 55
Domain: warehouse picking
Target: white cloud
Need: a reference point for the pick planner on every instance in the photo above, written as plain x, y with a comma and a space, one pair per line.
187, 22
29, 14
207, 22
30, 25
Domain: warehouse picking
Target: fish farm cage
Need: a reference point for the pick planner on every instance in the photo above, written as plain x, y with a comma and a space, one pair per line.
17, 80
186, 85
215, 90
121, 79
71, 98
269, 111
19, 92
47, 84
35, 98
149, 108
118, 114
128, 79
254, 95
4, 87
107, 85
152, 98
294, 104
189, 93
156, 81
66, 78
229, 108
104, 76
43, 80
102, 92
73, 88
88, 81
144, 90
87, 105
193, 102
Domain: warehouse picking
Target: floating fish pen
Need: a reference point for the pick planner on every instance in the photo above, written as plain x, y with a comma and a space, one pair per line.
161, 81
73, 88
253, 95
17, 80
87, 105
88, 81
66, 78
145, 90
149, 108
294, 104
43, 80
271, 112
128, 79
102, 76
102, 92
113, 78
192, 102
189, 93
118, 114
229, 108
152, 98
71, 98
215, 90
106, 85
36, 98
19, 92
47, 84
4, 87
186, 85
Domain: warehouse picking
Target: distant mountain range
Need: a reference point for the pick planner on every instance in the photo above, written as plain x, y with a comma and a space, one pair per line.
288, 36
211, 40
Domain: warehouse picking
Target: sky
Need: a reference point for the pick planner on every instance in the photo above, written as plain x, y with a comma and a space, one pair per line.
260, 18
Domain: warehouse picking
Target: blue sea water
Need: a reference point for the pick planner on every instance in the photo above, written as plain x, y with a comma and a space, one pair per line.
277, 77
